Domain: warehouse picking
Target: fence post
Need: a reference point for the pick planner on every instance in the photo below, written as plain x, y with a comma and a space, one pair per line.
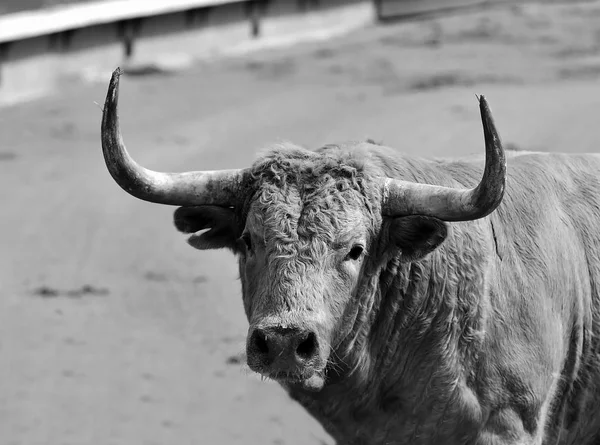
61, 41
4, 46
128, 31
198, 16
378, 6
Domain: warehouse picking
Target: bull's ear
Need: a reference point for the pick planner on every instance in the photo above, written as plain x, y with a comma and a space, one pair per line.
417, 236
219, 225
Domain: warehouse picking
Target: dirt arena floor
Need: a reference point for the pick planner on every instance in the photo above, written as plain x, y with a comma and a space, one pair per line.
113, 330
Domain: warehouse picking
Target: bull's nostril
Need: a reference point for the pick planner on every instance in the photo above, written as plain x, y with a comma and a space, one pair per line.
260, 342
307, 348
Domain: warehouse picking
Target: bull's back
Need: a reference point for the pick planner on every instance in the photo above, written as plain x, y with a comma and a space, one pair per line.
549, 224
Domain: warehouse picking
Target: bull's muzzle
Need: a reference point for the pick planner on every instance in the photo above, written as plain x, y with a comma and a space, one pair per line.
286, 354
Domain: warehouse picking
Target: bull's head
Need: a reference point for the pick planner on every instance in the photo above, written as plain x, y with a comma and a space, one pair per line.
307, 228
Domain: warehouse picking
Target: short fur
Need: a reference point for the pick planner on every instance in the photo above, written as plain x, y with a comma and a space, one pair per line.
483, 332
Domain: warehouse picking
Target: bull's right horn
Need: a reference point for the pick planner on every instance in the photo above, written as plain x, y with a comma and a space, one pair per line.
219, 187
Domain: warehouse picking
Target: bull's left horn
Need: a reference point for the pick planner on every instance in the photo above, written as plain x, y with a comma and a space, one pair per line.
220, 187
451, 204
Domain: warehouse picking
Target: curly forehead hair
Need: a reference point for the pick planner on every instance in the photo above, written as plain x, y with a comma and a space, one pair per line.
289, 164
307, 195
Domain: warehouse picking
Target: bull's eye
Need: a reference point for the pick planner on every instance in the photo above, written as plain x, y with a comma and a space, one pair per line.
246, 242
355, 253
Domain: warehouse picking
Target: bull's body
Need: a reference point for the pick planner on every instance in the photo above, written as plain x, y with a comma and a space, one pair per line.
494, 338
405, 301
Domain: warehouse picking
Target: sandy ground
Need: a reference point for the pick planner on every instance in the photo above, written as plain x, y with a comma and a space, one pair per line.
113, 330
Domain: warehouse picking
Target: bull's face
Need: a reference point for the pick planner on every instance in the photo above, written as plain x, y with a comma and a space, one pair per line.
307, 227
301, 254
304, 247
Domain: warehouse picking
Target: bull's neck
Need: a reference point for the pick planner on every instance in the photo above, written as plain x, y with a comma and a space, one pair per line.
417, 331
419, 322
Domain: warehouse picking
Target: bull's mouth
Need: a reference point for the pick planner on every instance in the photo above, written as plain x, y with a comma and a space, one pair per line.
308, 381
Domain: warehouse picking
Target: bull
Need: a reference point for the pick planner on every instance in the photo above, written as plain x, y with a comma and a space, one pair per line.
402, 300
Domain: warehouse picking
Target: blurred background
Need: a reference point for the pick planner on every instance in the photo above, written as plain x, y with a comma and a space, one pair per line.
112, 329
8, 6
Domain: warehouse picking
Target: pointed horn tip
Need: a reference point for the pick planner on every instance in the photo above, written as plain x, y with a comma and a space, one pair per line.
113, 86
486, 113
116, 73
112, 95
483, 104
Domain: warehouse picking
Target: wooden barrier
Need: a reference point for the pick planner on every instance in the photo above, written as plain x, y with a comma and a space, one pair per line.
87, 40
25, 25
392, 10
